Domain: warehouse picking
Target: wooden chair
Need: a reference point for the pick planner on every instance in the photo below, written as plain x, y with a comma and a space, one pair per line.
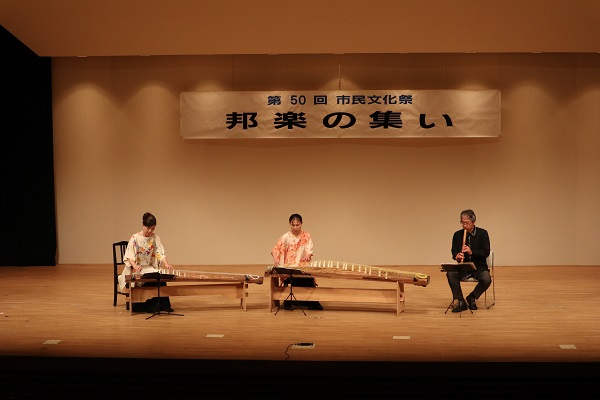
470, 279
118, 265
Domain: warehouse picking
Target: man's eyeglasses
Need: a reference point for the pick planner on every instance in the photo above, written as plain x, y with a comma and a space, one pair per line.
465, 223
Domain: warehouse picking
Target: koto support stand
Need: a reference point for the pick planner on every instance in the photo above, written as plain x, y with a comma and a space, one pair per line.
290, 297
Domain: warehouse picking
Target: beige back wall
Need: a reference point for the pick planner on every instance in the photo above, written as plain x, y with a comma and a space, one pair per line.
118, 153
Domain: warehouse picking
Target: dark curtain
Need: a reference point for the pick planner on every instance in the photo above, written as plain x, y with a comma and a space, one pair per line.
28, 219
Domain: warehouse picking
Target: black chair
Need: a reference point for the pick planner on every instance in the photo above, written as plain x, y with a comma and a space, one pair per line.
118, 265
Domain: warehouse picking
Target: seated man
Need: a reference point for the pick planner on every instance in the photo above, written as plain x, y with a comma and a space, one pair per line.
470, 244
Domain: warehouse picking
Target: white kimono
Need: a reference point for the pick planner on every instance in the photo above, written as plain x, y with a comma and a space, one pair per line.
148, 252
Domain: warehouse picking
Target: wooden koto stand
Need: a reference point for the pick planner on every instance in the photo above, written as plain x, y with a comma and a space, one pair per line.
395, 295
344, 270
189, 286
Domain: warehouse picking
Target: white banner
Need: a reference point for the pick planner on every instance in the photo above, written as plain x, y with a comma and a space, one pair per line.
340, 114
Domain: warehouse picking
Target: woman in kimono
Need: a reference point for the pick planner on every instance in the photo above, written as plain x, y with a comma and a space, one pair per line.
292, 248
145, 254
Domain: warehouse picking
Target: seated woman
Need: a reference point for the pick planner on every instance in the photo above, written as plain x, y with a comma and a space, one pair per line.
145, 254
294, 247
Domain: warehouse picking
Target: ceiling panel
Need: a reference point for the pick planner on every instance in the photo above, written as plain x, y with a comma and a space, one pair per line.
66, 28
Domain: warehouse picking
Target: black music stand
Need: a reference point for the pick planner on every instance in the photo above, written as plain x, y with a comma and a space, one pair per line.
290, 297
160, 278
458, 267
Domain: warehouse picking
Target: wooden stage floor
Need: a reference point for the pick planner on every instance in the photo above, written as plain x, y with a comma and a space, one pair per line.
61, 336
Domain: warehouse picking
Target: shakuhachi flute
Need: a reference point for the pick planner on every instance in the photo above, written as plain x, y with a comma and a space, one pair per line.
346, 270
464, 242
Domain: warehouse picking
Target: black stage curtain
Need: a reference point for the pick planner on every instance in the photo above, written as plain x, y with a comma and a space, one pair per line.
28, 223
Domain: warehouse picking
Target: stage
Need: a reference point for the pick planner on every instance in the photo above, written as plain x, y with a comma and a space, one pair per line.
61, 337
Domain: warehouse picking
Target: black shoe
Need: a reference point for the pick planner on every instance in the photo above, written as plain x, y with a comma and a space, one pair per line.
471, 302
461, 306
315, 305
